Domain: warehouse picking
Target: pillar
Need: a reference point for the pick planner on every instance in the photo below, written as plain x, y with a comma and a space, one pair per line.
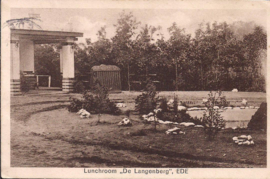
15, 66
27, 64
68, 65
27, 56
61, 61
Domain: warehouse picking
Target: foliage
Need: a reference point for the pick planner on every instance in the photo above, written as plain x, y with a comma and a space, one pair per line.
212, 120
163, 104
147, 101
79, 87
75, 105
220, 56
95, 102
259, 119
175, 104
47, 62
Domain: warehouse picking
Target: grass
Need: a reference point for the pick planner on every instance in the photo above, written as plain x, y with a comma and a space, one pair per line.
43, 134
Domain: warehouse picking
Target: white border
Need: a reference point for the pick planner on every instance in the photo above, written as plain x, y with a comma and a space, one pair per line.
8, 172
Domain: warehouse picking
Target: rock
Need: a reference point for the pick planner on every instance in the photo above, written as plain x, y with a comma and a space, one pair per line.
200, 126
193, 109
236, 108
244, 102
160, 121
168, 122
205, 100
174, 130
243, 137
252, 142
121, 105
242, 107
235, 90
181, 108
170, 102
216, 107
249, 137
84, 114
235, 138
125, 122
251, 107
257, 107
150, 114
227, 108
81, 111
157, 110
187, 124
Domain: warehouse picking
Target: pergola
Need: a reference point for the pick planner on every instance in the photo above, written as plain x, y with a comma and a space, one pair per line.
22, 54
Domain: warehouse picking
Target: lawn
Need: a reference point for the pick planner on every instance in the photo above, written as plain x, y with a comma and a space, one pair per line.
45, 134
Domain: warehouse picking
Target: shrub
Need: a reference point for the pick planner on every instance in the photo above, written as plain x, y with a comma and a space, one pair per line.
79, 87
181, 116
163, 104
212, 120
147, 101
95, 101
75, 105
259, 119
24, 84
175, 104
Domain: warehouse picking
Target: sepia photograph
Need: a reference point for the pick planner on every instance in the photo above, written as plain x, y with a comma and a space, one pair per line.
146, 91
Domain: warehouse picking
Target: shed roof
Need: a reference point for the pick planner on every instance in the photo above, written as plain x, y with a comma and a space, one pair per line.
103, 67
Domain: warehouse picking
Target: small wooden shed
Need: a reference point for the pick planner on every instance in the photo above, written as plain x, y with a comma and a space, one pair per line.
108, 76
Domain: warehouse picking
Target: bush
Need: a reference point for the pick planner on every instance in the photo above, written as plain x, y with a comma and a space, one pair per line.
147, 101
212, 120
95, 102
163, 104
259, 119
175, 104
75, 105
79, 87
179, 117
24, 85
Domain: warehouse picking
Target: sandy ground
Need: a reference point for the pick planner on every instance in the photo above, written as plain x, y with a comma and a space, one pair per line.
45, 134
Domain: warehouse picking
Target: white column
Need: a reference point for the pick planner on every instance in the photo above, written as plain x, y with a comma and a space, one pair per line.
61, 60
68, 61
49, 81
15, 65
27, 55
15, 58
68, 65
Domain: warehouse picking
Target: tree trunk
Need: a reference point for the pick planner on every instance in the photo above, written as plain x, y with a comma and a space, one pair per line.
128, 79
176, 76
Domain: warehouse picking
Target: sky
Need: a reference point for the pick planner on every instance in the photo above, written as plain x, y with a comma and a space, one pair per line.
89, 21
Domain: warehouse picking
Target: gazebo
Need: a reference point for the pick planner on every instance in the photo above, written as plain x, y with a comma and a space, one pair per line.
22, 43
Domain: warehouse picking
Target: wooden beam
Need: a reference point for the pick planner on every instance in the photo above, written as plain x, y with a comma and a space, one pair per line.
46, 33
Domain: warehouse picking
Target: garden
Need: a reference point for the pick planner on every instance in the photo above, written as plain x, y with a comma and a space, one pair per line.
93, 129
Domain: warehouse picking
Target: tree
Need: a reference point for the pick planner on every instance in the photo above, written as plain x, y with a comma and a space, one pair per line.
47, 62
178, 48
122, 44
